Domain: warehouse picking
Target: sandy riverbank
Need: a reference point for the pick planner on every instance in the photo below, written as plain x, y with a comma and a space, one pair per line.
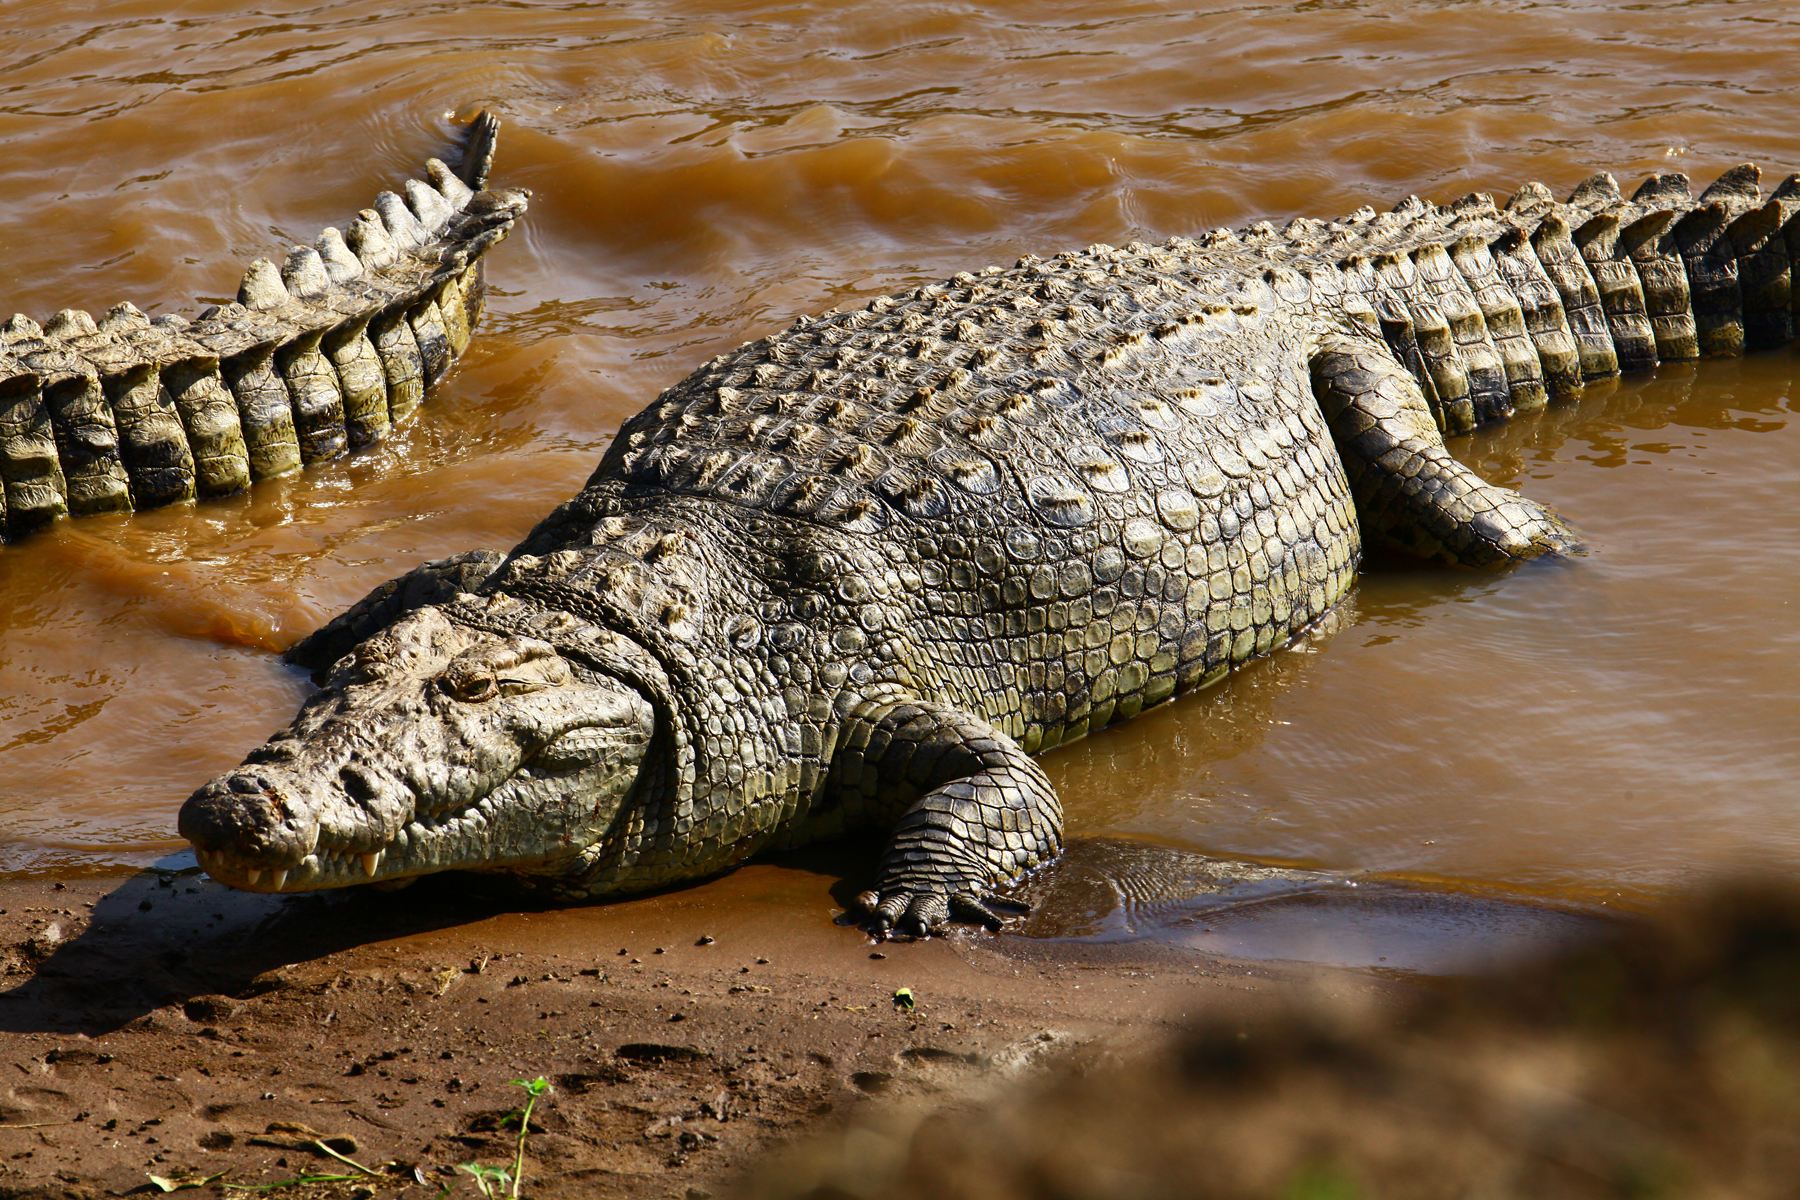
159, 1024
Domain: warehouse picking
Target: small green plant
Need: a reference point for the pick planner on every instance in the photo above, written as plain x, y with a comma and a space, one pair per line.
1322, 1181
534, 1088
490, 1181
498, 1181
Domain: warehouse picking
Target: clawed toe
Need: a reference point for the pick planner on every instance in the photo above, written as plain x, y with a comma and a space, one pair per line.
925, 915
970, 908
909, 914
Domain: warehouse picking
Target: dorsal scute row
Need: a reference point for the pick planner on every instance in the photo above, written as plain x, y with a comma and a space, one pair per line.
917, 392
913, 404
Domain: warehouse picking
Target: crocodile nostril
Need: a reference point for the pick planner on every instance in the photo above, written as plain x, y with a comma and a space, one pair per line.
358, 784
248, 785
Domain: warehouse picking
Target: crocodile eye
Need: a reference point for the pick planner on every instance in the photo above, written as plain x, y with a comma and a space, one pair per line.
470, 686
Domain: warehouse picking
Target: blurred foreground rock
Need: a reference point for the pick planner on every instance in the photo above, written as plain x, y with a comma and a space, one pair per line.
1664, 1062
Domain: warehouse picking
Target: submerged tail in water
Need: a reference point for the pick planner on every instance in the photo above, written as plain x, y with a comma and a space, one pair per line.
317, 355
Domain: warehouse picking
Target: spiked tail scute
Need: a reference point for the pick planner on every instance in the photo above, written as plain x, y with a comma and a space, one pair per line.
262, 287
1596, 194
266, 411
1568, 271
327, 351
1671, 191
1739, 189
1621, 292
36, 492
1712, 271
478, 150
1662, 276
360, 379
1765, 273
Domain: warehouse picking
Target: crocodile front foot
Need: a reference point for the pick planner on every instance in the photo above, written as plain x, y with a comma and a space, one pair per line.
922, 911
980, 813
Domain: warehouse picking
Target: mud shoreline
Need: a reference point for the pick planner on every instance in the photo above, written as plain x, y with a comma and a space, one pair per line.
160, 1024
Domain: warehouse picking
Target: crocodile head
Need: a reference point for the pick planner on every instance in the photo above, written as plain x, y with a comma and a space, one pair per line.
432, 746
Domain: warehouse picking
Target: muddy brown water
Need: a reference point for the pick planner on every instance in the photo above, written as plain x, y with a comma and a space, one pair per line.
1601, 730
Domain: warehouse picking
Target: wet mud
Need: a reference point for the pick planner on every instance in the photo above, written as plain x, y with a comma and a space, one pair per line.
163, 1026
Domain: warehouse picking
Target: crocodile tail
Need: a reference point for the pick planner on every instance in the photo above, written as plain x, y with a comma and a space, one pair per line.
322, 353
478, 149
1591, 285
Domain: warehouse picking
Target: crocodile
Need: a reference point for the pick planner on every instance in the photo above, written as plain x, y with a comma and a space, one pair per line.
324, 353
859, 573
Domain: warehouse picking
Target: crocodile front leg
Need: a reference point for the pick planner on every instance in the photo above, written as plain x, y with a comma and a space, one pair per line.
971, 810
1409, 491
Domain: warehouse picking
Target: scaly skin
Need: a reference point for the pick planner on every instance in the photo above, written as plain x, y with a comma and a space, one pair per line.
860, 572
326, 352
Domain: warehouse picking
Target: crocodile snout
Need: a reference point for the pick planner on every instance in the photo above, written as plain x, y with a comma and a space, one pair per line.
246, 817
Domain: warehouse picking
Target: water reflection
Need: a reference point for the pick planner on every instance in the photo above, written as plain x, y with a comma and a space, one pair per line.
1113, 890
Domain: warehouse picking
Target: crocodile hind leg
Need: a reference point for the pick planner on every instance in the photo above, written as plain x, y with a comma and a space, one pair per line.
1410, 493
973, 811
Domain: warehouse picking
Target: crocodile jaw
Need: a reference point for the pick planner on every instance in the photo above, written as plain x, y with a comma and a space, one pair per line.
432, 747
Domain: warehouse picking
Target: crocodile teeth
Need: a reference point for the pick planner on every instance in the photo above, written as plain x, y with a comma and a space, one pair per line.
371, 862
254, 875
278, 878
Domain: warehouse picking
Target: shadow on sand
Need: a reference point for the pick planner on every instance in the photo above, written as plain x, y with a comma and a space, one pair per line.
165, 936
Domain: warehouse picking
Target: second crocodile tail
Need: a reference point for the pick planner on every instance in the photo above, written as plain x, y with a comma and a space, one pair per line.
324, 352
